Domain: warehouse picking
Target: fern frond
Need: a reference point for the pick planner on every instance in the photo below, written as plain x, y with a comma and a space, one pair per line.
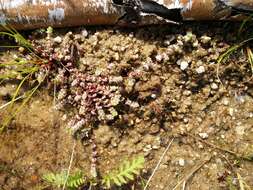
57, 179
126, 172
73, 182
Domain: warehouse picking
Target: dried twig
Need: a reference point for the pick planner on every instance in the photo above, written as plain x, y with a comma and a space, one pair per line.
191, 173
158, 164
242, 184
70, 164
8, 103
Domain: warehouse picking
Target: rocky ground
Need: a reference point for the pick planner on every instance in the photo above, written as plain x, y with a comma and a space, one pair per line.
132, 92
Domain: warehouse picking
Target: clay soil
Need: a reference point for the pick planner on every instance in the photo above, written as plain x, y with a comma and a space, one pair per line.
169, 95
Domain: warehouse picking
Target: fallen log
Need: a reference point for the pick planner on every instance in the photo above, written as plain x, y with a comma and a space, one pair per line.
30, 14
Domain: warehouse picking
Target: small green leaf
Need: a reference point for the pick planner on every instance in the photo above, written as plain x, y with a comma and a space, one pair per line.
122, 179
117, 181
58, 180
125, 173
129, 176
108, 183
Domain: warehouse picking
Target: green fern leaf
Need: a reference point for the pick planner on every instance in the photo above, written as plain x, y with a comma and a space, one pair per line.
129, 176
107, 182
136, 172
125, 173
58, 180
122, 180
55, 179
116, 181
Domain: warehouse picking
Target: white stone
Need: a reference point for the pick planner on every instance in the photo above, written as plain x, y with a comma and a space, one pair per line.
181, 162
231, 111
205, 39
214, 86
183, 64
153, 96
195, 43
147, 148
84, 33
159, 58
203, 135
64, 117
200, 69
187, 93
58, 39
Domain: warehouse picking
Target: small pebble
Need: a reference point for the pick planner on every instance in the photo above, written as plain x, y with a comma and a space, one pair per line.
64, 117
153, 96
185, 120
58, 39
147, 148
214, 86
183, 64
231, 111
205, 39
187, 93
200, 69
159, 58
195, 43
203, 135
181, 162
84, 32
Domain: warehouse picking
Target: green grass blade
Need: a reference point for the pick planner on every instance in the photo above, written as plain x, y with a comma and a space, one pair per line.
226, 55
28, 97
7, 34
18, 90
250, 58
242, 26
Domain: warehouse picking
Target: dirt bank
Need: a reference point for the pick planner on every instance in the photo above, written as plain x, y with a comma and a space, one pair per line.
166, 84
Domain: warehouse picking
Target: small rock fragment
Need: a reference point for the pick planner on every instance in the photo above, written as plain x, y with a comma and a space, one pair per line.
58, 39
214, 86
187, 92
183, 64
205, 39
181, 162
159, 58
84, 33
200, 69
203, 135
